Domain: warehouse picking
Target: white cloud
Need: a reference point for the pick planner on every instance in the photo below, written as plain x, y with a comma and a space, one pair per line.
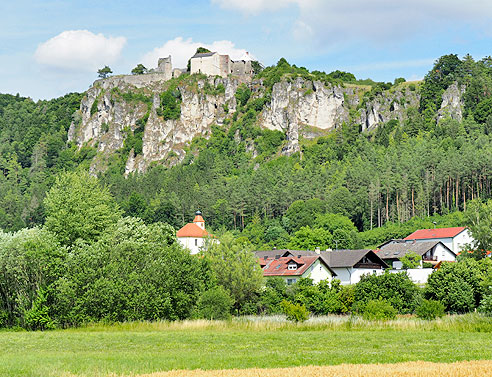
377, 20
255, 6
182, 49
79, 50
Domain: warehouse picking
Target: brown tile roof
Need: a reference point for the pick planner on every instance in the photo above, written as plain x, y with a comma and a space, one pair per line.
396, 249
349, 258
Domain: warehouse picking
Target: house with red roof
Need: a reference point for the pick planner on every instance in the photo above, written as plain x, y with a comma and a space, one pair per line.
292, 268
193, 235
453, 238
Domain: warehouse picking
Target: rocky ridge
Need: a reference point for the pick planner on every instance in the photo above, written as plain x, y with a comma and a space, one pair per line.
110, 111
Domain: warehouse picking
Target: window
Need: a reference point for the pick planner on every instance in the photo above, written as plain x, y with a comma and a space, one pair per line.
291, 281
292, 266
196, 241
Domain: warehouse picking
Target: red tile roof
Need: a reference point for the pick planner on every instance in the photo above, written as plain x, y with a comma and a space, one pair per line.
192, 230
425, 234
198, 219
279, 267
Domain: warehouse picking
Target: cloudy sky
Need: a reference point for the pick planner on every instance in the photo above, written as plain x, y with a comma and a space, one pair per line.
52, 47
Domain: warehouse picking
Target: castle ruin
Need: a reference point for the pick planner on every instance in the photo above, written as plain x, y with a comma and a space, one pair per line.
214, 64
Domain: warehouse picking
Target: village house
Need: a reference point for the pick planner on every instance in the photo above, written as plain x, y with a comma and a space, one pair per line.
346, 265
431, 252
293, 265
453, 238
193, 235
350, 265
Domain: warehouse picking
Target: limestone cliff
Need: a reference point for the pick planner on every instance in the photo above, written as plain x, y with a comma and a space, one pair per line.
115, 108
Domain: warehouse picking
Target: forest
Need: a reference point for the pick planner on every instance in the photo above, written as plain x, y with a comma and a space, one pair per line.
75, 248
379, 184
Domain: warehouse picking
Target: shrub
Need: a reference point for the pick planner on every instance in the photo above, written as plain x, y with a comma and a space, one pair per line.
430, 309
38, 318
411, 260
94, 107
457, 285
295, 312
378, 310
397, 289
215, 304
4, 317
486, 305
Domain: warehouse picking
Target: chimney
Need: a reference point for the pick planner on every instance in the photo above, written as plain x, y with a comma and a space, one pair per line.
317, 250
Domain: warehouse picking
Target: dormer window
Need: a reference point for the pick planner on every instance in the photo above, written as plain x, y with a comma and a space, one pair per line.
292, 266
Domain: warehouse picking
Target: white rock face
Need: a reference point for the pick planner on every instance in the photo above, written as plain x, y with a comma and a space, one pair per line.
297, 108
387, 106
311, 104
452, 103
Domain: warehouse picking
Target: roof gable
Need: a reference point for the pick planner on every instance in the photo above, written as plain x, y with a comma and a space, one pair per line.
400, 248
425, 234
280, 266
349, 258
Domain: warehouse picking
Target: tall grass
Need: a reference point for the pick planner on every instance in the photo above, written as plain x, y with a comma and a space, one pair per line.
471, 322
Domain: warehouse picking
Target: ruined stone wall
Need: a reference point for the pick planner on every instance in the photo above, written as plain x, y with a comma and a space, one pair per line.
165, 66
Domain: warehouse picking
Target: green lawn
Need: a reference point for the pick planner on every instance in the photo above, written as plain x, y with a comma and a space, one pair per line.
145, 348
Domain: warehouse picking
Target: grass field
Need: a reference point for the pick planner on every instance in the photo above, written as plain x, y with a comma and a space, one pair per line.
144, 348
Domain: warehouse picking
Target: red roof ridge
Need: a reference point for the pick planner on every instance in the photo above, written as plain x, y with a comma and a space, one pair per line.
192, 230
424, 234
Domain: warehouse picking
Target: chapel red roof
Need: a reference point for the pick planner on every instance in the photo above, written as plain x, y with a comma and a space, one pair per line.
198, 219
425, 234
192, 230
279, 267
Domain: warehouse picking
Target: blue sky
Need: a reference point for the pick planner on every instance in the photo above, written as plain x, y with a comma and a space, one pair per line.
52, 47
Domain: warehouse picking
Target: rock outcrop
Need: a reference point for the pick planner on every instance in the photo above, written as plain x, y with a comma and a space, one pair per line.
452, 103
113, 107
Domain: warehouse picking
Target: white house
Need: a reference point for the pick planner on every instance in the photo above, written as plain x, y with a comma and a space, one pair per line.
193, 235
350, 265
453, 238
430, 252
292, 268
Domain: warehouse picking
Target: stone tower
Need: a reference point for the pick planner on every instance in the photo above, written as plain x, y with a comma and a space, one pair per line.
165, 66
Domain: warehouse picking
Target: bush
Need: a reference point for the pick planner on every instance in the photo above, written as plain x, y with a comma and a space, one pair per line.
378, 310
215, 304
397, 289
295, 312
486, 305
430, 309
457, 285
38, 318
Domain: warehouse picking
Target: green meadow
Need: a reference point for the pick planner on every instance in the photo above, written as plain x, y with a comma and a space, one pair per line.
135, 348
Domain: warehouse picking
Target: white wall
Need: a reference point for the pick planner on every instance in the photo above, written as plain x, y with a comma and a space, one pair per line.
443, 254
189, 243
460, 240
209, 65
417, 275
350, 275
318, 272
